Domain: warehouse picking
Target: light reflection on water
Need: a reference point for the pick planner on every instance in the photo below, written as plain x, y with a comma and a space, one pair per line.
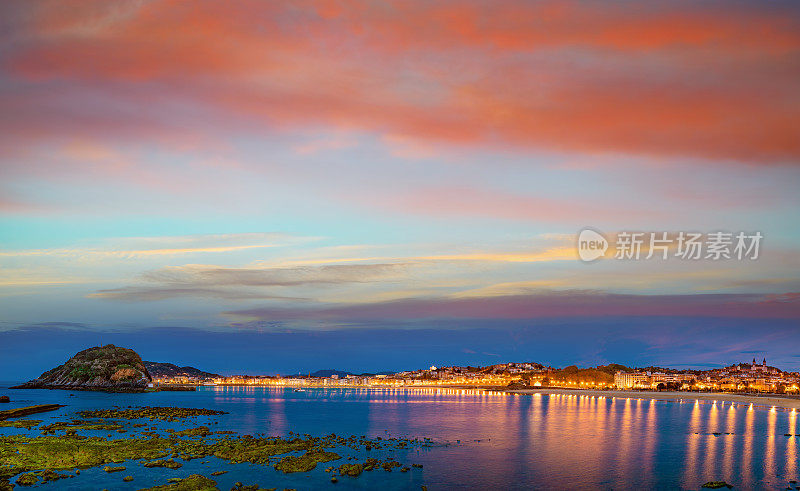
512, 441
558, 440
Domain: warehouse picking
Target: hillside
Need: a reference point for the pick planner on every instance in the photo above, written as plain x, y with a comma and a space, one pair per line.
101, 368
329, 372
169, 370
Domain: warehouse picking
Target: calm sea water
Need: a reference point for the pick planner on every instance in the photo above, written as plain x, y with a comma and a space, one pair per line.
487, 440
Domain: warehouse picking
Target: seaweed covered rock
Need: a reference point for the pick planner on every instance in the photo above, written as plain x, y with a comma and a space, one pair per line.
169, 464
46, 475
195, 482
305, 462
353, 470
237, 486
28, 479
102, 368
717, 485
20, 423
153, 413
22, 456
199, 431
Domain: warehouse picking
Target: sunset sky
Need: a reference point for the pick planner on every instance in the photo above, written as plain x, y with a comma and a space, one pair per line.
271, 187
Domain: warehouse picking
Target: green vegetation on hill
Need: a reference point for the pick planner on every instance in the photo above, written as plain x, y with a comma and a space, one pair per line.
585, 375
169, 370
103, 368
613, 368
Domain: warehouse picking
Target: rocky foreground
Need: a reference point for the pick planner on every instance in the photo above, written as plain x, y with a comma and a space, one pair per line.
107, 368
28, 410
63, 449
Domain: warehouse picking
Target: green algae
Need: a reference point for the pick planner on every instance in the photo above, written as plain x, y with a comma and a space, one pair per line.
28, 479
169, 464
153, 413
256, 450
254, 487
127, 478
352, 470
20, 423
371, 464
110, 469
78, 424
305, 462
50, 475
195, 482
199, 431
21, 454
47, 475
716, 485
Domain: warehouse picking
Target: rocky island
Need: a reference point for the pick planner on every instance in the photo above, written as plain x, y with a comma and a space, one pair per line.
106, 368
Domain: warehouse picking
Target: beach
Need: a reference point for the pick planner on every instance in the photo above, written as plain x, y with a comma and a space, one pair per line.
769, 400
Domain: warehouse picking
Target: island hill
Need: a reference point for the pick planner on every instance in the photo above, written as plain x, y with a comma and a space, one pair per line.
170, 371
106, 368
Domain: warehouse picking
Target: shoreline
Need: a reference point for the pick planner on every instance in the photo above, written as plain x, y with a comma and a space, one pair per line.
768, 400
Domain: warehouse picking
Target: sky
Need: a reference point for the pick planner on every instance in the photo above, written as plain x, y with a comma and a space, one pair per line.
281, 187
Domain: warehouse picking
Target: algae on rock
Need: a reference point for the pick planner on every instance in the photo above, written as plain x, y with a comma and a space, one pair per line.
195, 482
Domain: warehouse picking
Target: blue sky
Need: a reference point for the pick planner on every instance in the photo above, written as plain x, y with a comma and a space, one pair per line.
334, 171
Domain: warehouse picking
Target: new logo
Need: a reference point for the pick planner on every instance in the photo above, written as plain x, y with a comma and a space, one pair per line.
591, 245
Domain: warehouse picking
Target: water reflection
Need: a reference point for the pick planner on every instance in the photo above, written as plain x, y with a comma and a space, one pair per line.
791, 444
560, 440
507, 441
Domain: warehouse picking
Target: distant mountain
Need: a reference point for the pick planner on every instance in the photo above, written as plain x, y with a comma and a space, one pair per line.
163, 370
330, 372
108, 368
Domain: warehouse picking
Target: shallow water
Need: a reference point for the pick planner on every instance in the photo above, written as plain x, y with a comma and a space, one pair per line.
485, 439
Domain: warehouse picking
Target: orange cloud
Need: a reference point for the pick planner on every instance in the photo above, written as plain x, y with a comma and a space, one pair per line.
716, 80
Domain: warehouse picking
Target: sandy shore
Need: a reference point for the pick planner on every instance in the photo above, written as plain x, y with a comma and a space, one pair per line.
770, 400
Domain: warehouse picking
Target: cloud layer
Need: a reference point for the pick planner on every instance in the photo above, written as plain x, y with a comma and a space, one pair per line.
704, 79
321, 166
564, 304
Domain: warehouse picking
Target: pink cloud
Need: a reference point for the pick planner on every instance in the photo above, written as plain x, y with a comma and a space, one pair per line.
713, 81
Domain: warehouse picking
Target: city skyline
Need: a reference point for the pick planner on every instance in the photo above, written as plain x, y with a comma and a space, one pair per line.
271, 186
738, 377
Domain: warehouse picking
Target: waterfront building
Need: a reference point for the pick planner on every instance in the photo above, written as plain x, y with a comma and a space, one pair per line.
632, 380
